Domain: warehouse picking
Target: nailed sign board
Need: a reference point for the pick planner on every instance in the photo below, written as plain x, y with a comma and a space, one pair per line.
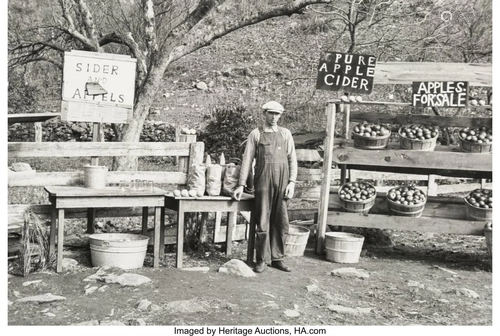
98, 87
440, 94
346, 72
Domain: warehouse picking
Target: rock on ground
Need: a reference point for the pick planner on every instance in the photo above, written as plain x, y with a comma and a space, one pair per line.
48, 297
351, 272
188, 306
239, 267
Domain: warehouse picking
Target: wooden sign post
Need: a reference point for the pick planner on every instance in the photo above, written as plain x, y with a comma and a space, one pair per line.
98, 88
339, 72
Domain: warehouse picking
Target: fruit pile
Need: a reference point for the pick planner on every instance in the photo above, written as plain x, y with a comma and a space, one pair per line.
371, 130
481, 135
415, 132
186, 130
407, 195
357, 191
352, 99
480, 198
188, 193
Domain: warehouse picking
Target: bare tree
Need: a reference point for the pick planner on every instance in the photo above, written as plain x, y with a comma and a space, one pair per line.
156, 33
416, 30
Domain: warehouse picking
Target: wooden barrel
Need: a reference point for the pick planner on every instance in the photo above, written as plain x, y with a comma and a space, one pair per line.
414, 210
361, 206
417, 144
473, 147
478, 214
343, 247
296, 241
379, 142
488, 235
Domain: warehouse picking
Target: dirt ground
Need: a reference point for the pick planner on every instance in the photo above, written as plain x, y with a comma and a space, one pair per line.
422, 279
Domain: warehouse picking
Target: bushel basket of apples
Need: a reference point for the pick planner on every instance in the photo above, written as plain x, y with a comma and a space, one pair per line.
357, 196
406, 201
370, 136
479, 204
476, 140
416, 137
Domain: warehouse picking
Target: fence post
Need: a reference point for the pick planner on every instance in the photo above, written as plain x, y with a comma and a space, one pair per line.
432, 186
38, 131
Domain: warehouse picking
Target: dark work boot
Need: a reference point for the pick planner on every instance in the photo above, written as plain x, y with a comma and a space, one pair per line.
260, 267
280, 265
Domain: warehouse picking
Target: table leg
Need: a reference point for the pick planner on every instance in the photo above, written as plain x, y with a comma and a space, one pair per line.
90, 220
60, 240
180, 236
145, 221
162, 232
218, 217
203, 226
231, 224
156, 243
52, 237
251, 240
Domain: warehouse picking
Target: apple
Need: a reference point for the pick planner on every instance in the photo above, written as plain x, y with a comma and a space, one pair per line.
184, 193
473, 102
344, 99
192, 131
416, 132
359, 99
352, 99
482, 102
371, 130
199, 193
406, 195
357, 191
480, 198
177, 193
193, 192
477, 135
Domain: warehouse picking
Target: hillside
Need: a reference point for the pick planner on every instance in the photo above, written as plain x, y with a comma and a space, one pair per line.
273, 60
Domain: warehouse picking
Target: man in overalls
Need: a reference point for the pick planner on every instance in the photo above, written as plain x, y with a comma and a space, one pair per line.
274, 183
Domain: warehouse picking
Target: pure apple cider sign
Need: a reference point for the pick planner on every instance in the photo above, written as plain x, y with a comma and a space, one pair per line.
440, 94
98, 87
346, 72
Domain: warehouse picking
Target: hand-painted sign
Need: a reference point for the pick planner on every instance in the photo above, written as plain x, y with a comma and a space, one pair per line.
440, 94
98, 87
346, 72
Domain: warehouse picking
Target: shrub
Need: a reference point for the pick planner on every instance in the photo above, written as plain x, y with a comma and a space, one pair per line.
226, 129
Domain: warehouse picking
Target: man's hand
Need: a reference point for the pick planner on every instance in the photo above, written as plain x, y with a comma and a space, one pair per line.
290, 188
237, 193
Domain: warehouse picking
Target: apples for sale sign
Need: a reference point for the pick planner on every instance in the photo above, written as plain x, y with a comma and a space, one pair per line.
346, 72
440, 94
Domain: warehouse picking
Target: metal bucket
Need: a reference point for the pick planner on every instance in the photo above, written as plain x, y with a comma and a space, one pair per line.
123, 250
95, 176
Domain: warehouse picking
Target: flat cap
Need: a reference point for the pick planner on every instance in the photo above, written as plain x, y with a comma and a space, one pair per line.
273, 107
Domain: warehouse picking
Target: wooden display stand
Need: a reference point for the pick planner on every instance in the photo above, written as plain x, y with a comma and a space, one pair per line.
442, 215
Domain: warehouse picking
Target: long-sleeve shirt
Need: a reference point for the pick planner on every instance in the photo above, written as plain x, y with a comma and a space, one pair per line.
252, 146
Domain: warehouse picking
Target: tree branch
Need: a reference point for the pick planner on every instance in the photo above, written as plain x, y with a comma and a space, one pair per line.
150, 26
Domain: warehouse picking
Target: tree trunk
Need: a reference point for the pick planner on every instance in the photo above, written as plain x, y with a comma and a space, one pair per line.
132, 131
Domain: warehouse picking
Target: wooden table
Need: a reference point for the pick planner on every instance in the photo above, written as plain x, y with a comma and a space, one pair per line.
208, 204
64, 197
